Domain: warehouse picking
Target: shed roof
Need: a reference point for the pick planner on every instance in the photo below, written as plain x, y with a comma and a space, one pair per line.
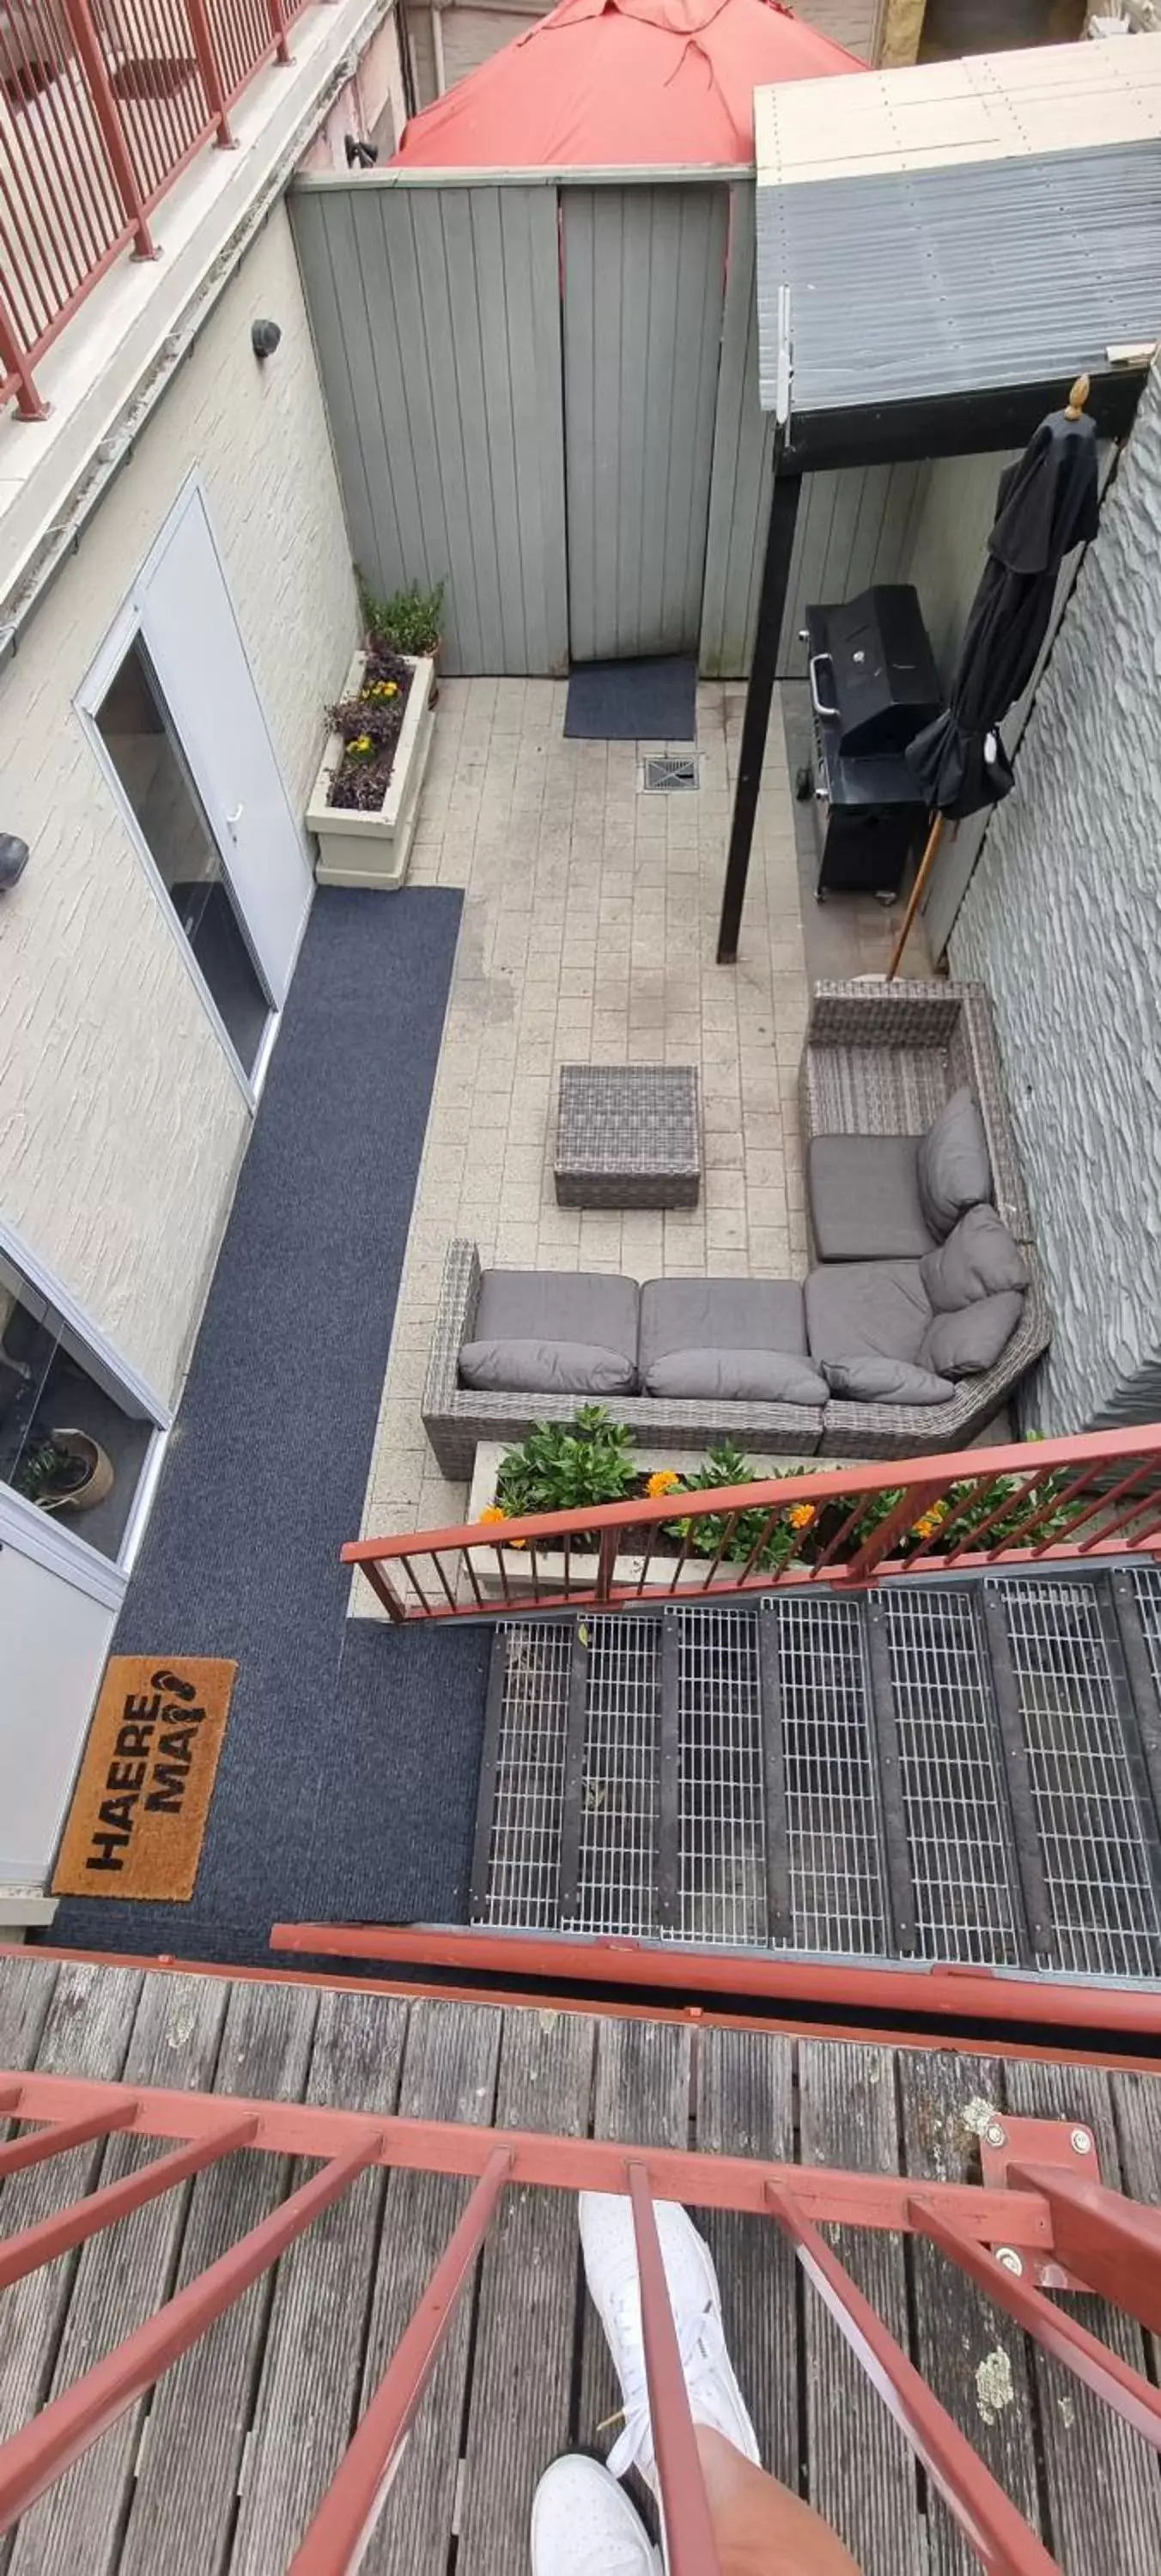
984, 225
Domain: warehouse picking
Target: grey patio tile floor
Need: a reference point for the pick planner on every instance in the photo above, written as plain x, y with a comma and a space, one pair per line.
588, 933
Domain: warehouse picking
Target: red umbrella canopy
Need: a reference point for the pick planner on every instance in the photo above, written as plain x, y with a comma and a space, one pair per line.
621, 82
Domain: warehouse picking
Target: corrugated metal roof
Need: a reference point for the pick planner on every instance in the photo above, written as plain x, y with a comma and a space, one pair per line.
908, 285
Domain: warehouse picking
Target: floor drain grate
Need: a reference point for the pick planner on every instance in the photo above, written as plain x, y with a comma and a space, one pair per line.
667, 773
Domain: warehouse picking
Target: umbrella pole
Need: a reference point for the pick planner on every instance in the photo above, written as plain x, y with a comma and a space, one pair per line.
918, 891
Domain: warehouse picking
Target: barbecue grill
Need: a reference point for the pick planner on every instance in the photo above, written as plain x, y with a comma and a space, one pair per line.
873, 686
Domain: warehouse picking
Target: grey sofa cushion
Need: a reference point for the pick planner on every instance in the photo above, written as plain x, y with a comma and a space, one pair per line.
866, 1310
953, 1167
735, 1377
553, 1332
546, 1368
885, 1382
967, 1343
864, 1198
719, 1315
979, 1259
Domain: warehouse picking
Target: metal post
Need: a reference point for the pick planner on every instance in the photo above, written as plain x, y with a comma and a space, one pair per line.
14, 364
690, 2547
56, 2141
47, 2446
199, 24
342, 2527
93, 64
988, 2518
83, 2218
1111, 2243
278, 22
759, 695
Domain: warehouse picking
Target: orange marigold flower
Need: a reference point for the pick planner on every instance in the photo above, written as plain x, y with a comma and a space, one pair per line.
494, 1512
801, 1516
665, 1481
928, 1522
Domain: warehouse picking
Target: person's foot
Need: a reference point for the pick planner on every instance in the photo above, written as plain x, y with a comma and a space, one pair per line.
584, 2525
610, 2252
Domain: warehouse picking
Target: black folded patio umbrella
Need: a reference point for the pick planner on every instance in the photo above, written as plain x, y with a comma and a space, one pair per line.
1048, 503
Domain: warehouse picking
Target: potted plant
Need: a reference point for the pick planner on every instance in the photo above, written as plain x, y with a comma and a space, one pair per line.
66, 1471
365, 797
411, 621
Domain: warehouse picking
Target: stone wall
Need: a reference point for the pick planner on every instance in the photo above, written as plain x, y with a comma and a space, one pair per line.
121, 1120
1062, 922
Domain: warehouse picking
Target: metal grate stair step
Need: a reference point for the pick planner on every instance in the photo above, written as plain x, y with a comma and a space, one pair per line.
960, 1771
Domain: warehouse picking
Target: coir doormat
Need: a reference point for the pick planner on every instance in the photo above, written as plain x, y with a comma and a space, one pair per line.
143, 1794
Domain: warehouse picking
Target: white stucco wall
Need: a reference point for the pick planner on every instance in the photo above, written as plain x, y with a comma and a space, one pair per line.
121, 1122
1062, 921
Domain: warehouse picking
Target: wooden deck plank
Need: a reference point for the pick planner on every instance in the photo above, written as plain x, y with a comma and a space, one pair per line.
745, 2107
86, 2031
304, 2416
641, 2095
27, 1986
861, 2475
1102, 2482
187, 2479
122, 2277
969, 2352
529, 2280
449, 2073
1136, 2101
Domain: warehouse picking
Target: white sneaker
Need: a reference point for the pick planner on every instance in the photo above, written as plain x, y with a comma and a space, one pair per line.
610, 2252
584, 2525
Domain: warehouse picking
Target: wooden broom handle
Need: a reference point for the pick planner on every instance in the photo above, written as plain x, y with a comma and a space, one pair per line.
918, 891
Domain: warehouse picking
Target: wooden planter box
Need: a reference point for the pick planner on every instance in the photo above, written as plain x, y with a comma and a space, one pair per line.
373, 849
550, 1568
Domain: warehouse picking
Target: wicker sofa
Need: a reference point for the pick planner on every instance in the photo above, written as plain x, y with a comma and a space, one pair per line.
878, 1061
881, 1060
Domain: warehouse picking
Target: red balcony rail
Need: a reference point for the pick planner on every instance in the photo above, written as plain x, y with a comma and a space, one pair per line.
1040, 2217
102, 105
1028, 1503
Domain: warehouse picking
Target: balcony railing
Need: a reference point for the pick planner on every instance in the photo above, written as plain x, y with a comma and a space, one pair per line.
102, 105
1095, 1496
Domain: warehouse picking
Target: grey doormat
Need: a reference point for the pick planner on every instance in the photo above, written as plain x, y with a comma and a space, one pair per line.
633, 701
347, 1781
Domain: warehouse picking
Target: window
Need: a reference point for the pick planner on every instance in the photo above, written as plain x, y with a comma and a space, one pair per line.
68, 1442
144, 750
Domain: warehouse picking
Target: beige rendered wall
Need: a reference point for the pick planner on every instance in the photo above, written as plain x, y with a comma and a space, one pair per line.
121, 1121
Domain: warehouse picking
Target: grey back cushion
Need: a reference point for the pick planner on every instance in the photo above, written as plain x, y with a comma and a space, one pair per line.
591, 1306
735, 1377
979, 1259
864, 1198
885, 1382
546, 1368
866, 1310
953, 1168
720, 1315
967, 1343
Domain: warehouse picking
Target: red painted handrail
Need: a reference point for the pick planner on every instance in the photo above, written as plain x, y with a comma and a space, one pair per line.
103, 109
1096, 1495
1042, 2202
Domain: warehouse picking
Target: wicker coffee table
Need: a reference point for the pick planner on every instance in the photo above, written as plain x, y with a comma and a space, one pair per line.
628, 1135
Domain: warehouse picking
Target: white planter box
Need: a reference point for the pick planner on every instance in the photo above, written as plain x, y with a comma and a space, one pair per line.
373, 849
582, 1572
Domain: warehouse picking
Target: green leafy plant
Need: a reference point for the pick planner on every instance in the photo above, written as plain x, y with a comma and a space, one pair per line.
409, 622
48, 1471
568, 1466
769, 1548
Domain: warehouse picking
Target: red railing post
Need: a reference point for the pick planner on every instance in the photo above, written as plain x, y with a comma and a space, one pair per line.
57, 2235
14, 364
20, 2153
1111, 2243
46, 2447
999, 2535
278, 23
690, 2547
1092, 2361
338, 2536
116, 142
209, 67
